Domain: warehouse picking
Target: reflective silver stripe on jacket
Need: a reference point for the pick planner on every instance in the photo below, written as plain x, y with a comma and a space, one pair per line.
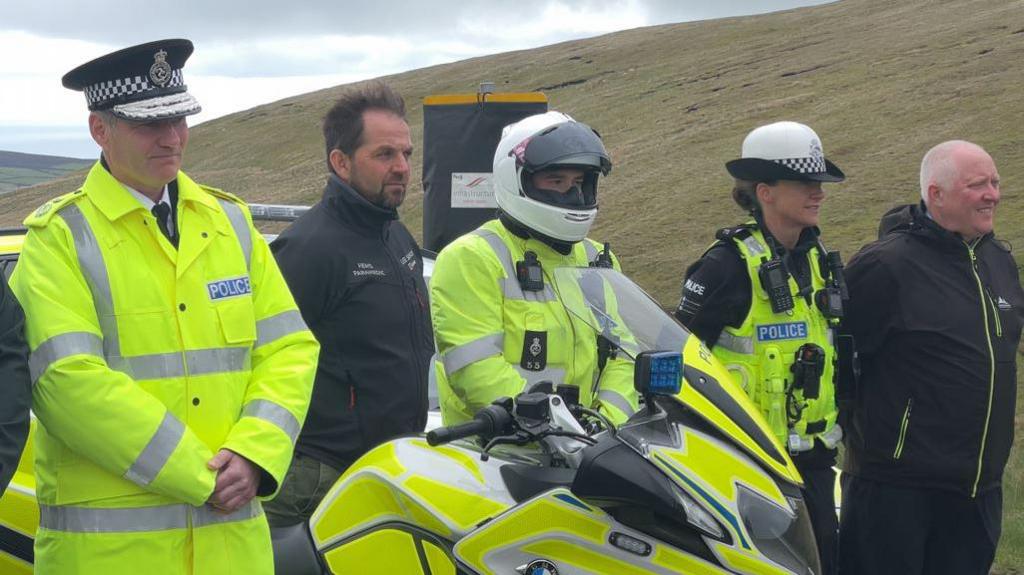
460, 356
555, 375
90, 261
510, 283
138, 519
735, 343
275, 414
156, 453
591, 251
241, 227
61, 346
277, 326
616, 400
179, 364
151, 366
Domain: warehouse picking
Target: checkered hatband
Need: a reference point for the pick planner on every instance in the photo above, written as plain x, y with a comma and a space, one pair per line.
804, 165
121, 89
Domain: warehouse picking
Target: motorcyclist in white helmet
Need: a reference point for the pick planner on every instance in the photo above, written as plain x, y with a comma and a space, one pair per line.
499, 326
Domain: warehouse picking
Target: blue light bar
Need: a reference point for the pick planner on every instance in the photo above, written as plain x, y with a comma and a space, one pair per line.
664, 372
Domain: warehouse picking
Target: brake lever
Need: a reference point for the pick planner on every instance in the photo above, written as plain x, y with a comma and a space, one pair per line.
518, 438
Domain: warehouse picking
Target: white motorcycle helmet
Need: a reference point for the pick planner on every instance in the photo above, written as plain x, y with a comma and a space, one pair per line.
544, 141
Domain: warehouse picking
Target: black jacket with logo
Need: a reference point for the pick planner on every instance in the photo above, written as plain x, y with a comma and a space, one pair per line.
357, 277
937, 323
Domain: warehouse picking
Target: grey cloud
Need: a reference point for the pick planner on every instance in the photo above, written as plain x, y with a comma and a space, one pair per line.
123, 22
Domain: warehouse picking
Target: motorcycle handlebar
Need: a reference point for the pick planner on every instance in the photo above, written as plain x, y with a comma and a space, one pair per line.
488, 422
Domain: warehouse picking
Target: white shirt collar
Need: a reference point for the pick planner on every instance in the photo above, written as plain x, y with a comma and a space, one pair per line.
147, 203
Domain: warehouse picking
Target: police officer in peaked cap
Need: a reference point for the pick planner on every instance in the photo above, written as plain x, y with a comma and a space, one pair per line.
767, 296
172, 369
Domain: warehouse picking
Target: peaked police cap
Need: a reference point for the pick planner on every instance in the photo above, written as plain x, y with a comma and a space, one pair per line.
141, 83
784, 151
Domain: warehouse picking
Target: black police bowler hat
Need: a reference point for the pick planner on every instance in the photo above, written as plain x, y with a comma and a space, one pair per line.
784, 151
141, 83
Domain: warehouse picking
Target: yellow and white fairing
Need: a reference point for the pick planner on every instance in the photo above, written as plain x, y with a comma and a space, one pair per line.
573, 535
404, 496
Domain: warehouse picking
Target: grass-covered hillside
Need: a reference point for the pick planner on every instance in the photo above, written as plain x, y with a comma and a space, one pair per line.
880, 81
19, 170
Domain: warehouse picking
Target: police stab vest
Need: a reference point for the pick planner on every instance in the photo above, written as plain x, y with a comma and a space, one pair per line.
761, 354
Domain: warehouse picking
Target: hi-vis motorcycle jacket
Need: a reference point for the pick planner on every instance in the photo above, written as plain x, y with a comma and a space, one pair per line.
147, 360
496, 339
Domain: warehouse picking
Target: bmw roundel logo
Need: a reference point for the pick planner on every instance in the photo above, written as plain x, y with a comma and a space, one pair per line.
541, 567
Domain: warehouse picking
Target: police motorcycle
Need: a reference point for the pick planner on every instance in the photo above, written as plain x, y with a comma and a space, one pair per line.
538, 485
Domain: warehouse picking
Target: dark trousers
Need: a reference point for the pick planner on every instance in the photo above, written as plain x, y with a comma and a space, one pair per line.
891, 530
305, 484
819, 494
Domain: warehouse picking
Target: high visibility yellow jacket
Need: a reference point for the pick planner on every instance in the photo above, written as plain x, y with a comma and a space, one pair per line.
760, 354
146, 361
495, 339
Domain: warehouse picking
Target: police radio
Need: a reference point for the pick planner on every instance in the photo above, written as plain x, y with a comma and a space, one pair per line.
530, 273
604, 257
775, 281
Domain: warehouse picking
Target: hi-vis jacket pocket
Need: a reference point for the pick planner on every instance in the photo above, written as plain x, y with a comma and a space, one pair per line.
237, 320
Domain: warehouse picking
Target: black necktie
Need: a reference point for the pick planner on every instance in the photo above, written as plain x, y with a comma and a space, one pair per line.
162, 212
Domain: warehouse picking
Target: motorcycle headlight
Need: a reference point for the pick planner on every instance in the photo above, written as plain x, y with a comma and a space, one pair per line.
783, 535
696, 515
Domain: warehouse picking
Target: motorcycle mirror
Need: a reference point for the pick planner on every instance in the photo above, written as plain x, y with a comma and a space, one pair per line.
658, 373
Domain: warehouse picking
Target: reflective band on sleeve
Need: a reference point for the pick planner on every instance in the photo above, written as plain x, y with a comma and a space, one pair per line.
510, 287
90, 262
273, 413
156, 453
61, 346
277, 326
735, 343
460, 356
241, 227
217, 360
614, 399
138, 519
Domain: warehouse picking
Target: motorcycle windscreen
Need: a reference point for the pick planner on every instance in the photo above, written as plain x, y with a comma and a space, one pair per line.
460, 134
620, 311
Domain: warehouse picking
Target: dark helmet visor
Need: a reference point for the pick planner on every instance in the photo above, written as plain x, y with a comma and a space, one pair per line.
566, 144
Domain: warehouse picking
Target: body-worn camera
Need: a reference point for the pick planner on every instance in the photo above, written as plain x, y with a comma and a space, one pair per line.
830, 302
808, 368
530, 273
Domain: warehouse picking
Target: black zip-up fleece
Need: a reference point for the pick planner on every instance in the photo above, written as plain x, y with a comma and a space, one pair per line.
357, 277
937, 322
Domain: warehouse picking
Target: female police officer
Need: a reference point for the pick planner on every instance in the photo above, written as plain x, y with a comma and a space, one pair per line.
766, 297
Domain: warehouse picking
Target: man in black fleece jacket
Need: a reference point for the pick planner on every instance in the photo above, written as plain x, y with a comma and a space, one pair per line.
357, 277
936, 311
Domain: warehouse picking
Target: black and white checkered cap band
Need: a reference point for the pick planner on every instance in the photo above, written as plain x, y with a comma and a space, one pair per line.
123, 87
804, 165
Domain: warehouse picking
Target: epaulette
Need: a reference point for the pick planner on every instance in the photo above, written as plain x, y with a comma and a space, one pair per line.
216, 192
41, 216
734, 233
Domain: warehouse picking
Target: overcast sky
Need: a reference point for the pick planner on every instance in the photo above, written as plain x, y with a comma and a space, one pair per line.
257, 51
